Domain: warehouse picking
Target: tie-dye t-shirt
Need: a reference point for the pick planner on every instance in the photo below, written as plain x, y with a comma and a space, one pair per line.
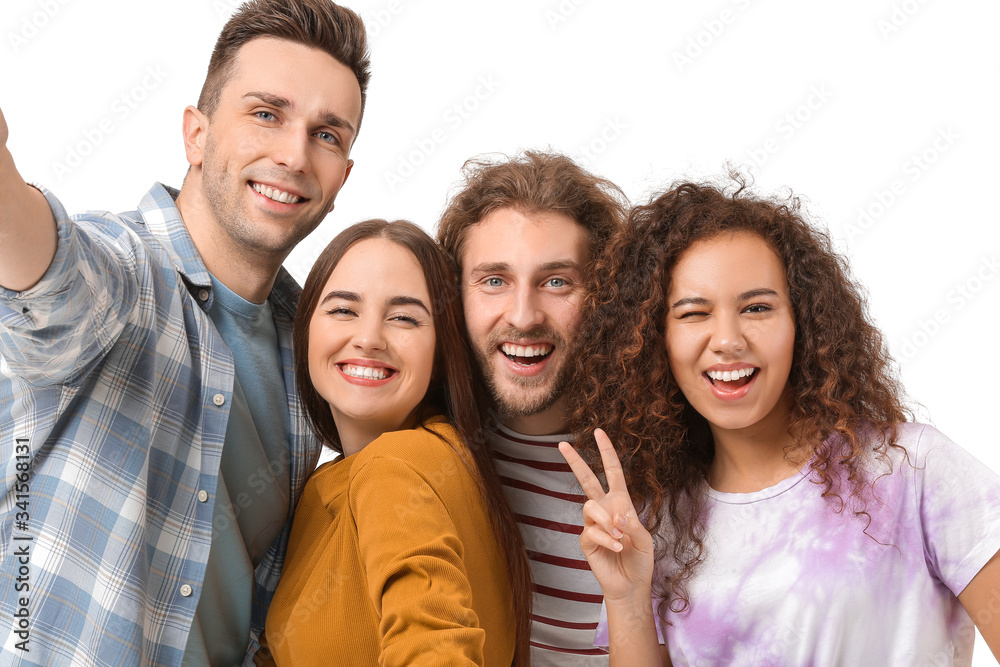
788, 580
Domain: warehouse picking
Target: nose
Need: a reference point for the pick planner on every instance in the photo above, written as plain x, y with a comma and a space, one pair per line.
291, 149
369, 335
524, 310
727, 334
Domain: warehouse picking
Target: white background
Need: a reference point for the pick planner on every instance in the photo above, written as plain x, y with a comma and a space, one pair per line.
836, 101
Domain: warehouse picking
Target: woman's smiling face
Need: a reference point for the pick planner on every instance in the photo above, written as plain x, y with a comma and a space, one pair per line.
372, 338
730, 331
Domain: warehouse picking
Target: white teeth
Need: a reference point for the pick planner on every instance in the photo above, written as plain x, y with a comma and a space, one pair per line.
276, 195
539, 350
366, 372
729, 376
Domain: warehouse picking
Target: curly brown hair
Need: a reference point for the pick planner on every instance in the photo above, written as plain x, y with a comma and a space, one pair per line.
846, 397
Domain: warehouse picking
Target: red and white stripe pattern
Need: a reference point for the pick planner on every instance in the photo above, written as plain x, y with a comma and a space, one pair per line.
548, 503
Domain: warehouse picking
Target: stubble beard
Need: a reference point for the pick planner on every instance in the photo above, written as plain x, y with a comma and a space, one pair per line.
518, 396
229, 209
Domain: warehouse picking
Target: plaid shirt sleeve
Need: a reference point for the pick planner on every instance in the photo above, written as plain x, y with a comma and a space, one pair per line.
78, 309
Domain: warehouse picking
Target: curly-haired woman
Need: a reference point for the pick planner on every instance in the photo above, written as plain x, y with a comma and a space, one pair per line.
797, 517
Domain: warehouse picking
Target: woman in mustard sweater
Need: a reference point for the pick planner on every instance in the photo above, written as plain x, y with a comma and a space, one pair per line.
403, 551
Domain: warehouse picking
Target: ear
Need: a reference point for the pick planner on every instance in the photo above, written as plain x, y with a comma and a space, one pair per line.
195, 135
347, 172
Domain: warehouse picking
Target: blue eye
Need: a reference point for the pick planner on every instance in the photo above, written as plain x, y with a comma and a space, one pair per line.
328, 137
265, 115
494, 282
557, 282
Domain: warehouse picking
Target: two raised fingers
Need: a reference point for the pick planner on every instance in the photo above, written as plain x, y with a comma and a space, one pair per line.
605, 519
589, 482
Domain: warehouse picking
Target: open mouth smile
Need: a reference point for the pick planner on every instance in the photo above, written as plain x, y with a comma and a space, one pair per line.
735, 377
526, 355
276, 195
366, 375
731, 385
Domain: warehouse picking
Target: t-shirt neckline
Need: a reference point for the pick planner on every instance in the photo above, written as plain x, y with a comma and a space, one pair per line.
764, 494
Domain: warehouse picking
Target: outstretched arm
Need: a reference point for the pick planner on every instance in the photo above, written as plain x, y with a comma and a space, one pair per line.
27, 228
620, 552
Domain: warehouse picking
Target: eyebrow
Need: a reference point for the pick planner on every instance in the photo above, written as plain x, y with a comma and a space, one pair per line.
690, 301
408, 301
491, 267
394, 301
559, 265
744, 296
754, 293
327, 117
499, 267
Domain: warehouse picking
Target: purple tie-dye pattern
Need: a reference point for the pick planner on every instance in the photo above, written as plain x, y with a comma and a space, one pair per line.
789, 580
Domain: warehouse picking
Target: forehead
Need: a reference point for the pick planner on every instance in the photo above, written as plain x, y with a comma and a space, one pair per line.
509, 236
728, 264
313, 80
377, 267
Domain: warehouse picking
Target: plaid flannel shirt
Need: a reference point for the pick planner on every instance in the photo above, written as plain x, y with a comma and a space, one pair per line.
115, 390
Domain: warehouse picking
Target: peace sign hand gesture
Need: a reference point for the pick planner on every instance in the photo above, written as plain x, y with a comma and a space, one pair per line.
616, 544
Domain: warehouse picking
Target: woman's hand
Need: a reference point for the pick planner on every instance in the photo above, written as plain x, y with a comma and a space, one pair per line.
616, 544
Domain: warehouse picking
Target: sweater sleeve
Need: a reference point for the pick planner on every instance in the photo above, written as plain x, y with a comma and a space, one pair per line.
414, 562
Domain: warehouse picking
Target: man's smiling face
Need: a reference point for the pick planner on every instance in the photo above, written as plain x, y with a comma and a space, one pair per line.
277, 147
522, 290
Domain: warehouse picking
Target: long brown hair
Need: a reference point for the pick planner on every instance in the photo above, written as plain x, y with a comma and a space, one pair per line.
450, 392
847, 400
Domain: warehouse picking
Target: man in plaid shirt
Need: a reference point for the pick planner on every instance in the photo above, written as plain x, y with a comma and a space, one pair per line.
152, 443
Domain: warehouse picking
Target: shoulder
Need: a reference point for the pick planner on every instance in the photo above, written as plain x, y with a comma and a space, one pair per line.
933, 451
423, 464
424, 447
919, 440
911, 440
124, 234
928, 458
153, 222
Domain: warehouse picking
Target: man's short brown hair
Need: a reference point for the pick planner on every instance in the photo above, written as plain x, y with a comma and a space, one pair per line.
319, 24
531, 182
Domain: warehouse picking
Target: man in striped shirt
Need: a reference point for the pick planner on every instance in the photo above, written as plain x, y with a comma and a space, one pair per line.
521, 232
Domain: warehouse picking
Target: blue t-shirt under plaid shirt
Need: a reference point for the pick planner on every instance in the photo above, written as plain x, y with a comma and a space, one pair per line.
115, 389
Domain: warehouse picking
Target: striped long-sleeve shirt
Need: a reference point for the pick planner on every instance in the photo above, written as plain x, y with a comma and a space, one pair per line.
548, 503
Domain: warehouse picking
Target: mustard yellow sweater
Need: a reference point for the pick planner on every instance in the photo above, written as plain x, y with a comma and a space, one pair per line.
392, 561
